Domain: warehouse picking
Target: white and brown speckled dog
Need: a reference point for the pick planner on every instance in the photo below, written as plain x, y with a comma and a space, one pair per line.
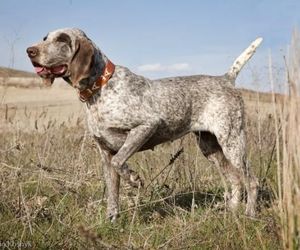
127, 113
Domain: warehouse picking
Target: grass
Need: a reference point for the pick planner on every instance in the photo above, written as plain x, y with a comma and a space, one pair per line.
288, 161
53, 196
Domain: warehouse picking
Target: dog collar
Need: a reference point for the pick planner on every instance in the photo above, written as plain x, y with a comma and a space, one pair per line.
86, 94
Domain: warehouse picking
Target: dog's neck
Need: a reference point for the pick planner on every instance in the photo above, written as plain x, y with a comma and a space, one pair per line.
100, 73
99, 62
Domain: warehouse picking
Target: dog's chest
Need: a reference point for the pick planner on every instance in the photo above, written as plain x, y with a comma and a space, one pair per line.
110, 122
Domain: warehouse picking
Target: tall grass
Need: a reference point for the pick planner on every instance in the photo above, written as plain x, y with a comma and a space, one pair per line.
53, 197
288, 151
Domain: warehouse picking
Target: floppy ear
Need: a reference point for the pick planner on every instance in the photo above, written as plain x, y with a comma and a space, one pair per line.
81, 62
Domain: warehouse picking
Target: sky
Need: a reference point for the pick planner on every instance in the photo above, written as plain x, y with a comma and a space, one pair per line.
160, 38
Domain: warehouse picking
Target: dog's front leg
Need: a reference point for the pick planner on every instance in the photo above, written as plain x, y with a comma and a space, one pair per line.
136, 138
112, 179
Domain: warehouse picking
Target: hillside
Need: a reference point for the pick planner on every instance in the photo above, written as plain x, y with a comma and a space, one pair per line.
8, 72
18, 78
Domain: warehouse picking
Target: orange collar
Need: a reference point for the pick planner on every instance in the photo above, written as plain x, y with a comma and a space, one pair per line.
86, 94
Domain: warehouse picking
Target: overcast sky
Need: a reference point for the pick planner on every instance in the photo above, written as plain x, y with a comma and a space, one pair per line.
159, 38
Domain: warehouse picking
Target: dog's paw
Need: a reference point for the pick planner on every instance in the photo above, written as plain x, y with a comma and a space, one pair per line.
220, 206
135, 180
112, 216
250, 212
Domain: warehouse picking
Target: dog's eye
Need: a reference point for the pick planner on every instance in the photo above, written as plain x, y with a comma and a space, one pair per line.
63, 37
45, 38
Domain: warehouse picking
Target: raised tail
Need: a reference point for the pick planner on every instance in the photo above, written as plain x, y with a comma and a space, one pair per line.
243, 58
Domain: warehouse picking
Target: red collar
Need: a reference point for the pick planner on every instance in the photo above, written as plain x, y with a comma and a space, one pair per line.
86, 94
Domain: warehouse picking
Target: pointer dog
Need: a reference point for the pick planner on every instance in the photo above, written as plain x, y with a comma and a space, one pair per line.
128, 113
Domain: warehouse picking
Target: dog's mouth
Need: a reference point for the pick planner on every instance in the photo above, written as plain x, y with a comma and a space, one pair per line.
44, 71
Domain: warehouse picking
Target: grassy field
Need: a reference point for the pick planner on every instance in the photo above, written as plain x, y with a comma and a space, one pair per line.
53, 193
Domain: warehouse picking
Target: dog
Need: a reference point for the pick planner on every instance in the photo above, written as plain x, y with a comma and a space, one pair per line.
127, 113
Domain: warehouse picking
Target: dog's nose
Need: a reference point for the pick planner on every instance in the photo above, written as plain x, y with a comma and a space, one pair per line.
32, 52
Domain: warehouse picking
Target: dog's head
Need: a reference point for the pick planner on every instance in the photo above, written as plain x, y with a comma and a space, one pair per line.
63, 53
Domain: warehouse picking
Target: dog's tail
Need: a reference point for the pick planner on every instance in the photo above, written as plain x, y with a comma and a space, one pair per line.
239, 63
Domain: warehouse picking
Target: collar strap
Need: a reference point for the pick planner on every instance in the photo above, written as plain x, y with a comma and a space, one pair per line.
86, 94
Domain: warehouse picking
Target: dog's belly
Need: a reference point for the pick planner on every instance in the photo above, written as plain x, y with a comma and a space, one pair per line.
157, 139
112, 139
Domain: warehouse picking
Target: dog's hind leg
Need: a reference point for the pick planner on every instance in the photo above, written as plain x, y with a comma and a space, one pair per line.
233, 147
251, 186
212, 150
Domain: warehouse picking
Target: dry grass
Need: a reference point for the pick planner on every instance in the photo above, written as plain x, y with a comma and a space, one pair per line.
53, 195
288, 154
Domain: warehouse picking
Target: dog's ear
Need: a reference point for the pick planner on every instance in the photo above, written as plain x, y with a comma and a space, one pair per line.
82, 60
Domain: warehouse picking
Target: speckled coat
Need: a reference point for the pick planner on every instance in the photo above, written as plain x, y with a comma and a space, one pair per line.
132, 113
